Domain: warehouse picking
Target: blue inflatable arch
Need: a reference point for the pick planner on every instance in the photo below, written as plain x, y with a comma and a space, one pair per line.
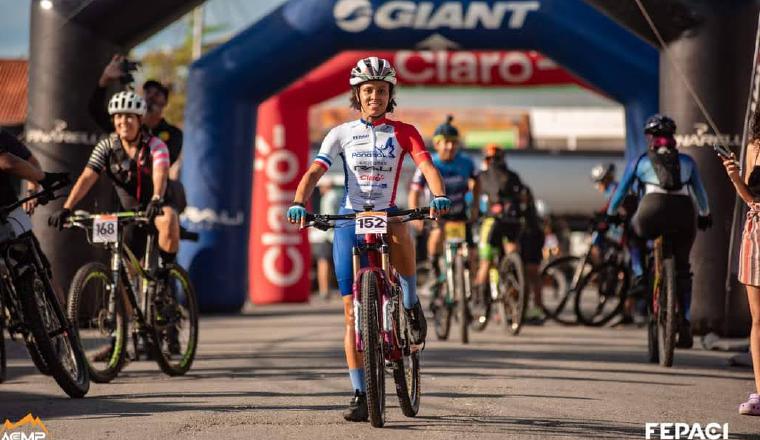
226, 86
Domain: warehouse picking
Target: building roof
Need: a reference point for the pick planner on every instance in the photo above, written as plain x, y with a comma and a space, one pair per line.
14, 82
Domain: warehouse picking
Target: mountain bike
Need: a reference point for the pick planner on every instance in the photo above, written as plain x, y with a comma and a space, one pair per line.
595, 283
506, 289
663, 313
451, 292
29, 307
382, 329
159, 300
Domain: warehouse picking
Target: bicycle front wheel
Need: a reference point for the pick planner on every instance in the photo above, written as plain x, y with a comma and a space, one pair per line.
514, 298
56, 341
601, 294
374, 361
556, 288
440, 305
3, 360
666, 318
99, 317
174, 319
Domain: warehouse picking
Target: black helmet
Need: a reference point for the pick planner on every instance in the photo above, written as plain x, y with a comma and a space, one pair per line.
602, 171
446, 129
660, 125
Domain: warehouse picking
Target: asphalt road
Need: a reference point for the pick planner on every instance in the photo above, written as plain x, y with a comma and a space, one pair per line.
279, 372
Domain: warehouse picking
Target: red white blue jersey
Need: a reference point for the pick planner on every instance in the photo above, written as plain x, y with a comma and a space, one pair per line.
372, 156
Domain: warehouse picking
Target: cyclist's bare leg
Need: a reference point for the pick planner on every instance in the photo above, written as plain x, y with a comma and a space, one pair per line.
353, 357
168, 230
403, 256
435, 242
753, 297
534, 281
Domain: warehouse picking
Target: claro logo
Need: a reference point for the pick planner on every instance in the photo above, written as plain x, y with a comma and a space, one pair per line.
356, 15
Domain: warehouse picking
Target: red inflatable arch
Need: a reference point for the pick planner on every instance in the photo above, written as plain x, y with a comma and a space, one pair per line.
279, 255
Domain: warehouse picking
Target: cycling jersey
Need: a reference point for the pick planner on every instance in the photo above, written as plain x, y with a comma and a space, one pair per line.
456, 175
642, 171
503, 189
372, 154
132, 176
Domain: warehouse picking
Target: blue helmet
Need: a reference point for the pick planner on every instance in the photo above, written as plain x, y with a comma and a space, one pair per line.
446, 129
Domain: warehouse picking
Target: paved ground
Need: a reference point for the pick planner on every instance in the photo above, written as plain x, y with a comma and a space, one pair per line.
278, 372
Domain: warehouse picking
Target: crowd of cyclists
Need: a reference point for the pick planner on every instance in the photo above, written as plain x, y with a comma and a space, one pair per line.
502, 235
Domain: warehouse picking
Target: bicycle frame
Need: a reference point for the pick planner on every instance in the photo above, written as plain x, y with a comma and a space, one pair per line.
376, 248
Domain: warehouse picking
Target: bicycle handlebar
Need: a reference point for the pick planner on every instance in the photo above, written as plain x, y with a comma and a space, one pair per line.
322, 221
81, 217
44, 196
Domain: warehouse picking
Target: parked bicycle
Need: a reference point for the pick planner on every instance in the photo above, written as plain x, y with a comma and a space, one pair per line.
506, 290
382, 329
29, 307
159, 301
451, 291
596, 283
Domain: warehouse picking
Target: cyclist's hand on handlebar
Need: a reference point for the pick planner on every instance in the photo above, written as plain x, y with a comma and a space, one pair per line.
704, 221
297, 214
51, 179
439, 206
154, 208
58, 219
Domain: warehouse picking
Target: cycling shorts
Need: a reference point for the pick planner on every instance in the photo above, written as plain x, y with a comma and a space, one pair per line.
493, 233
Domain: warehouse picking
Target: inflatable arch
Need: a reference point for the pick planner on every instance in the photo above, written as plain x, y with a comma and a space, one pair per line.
227, 84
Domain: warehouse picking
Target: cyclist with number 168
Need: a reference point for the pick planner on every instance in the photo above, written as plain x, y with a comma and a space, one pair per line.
372, 150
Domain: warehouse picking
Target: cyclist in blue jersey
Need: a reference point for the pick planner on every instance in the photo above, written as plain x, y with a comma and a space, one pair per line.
460, 177
668, 181
372, 149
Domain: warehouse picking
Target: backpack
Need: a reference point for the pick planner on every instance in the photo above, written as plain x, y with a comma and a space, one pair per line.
667, 167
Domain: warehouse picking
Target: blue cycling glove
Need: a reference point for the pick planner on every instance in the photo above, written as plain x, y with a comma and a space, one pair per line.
296, 213
441, 203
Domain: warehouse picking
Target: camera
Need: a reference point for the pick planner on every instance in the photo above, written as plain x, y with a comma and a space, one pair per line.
127, 67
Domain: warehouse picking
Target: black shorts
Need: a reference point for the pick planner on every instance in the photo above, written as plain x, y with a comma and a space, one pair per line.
532, 246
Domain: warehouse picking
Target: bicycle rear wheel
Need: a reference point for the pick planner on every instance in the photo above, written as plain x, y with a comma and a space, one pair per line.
556, 290
174, 319
460, 298
374, 361
600, 295
666, 319
3, 360
56, 341
100, 319
514, 298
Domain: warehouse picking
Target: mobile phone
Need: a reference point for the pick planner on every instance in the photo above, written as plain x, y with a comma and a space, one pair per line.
724, 153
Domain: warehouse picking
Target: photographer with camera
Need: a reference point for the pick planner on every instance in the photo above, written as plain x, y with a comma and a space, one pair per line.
156, 96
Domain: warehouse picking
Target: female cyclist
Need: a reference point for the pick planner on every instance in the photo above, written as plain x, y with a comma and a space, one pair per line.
372, 149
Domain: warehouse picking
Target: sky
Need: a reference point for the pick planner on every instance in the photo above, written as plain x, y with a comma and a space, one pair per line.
233, 15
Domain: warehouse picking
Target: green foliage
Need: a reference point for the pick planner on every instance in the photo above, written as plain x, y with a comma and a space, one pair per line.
171, 68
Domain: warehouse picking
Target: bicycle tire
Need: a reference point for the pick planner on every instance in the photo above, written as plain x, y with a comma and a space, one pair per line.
514, 298
480, 308
586, 293
78, 313
39, 304
374, 361
35, 356
3, 359
666, 321
163, 354
460, 299
441, 311
406, 375
556, 276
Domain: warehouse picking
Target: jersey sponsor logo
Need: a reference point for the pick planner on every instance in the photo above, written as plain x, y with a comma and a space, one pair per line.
381, 169
385, 151
372, 177
373, 185
357, 137
357, 15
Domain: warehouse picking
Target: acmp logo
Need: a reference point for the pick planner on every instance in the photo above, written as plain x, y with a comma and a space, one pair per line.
13, 431
357, 15
353, 15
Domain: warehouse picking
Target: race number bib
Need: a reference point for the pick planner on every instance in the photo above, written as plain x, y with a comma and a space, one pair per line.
105, 229
371, 223
455, 230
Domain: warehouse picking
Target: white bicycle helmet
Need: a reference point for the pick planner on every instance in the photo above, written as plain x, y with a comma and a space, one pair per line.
127, 102
601, 171
372, 69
